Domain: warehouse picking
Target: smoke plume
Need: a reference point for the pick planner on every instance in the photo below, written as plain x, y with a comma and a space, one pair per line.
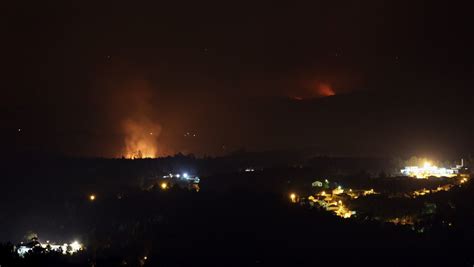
141, 138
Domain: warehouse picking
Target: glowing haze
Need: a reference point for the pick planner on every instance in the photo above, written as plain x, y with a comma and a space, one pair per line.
141, 138
131, 110
324, 89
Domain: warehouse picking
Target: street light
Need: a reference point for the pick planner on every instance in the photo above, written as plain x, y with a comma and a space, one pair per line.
293, 197
164, 185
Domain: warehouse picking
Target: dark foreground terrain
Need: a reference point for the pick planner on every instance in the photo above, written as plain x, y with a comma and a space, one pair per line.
135, 223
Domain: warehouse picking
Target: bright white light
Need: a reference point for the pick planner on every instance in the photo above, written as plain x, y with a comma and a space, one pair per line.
177, 175
22, 250
429, 170
75, 246
185, 175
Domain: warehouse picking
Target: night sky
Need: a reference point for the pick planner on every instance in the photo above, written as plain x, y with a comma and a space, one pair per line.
338, 77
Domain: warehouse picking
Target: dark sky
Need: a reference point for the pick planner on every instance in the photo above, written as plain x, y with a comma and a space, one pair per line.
257, 76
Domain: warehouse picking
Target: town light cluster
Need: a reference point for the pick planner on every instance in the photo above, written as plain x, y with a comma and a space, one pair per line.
183, 180
183, 176
66, 249
429, 170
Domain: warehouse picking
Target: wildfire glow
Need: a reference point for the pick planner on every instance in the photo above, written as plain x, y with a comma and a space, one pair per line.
139, 143
325, 89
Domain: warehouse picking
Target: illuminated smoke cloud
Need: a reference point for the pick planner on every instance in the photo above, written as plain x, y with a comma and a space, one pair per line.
313, 88
141, 138
324, 90
130, 104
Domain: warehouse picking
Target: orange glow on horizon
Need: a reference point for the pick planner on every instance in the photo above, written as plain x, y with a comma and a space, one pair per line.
139, 143
325, 89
